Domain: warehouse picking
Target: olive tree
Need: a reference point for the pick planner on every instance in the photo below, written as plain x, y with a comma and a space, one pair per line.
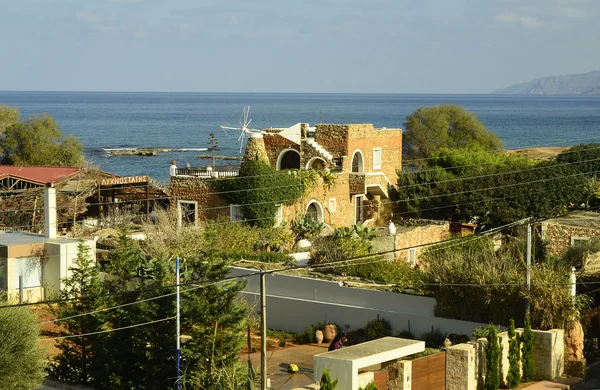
38, 140
22, 361
429, 129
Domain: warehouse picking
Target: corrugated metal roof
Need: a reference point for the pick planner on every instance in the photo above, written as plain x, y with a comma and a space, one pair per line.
38, 174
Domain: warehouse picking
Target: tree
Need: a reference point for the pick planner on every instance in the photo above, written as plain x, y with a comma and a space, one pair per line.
326, 383
22, 361
260, 189
8, 116
447, 126
213, 147
514, 357
76, 361
38, 141
473, 185
492, 355
214, 318
528, 369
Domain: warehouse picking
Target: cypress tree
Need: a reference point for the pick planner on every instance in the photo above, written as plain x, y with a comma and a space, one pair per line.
514, 356
326, 383
528, 371
492, 354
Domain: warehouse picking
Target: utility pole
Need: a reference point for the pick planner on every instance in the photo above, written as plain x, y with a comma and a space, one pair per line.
178, 326
528, 266
263, 330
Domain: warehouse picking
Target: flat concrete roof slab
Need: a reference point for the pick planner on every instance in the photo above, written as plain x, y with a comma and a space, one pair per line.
345, 362
379, 350
24, 238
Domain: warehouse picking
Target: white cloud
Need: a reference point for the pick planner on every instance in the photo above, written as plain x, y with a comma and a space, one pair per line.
84, 16
233, 20
107, 28
525, 21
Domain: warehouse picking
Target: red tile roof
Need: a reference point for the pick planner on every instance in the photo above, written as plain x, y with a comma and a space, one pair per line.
38, 174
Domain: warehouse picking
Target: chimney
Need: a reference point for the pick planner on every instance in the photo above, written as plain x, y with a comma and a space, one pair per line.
50, 211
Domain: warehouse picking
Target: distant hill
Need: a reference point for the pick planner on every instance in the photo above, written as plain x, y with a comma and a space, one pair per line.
574, 84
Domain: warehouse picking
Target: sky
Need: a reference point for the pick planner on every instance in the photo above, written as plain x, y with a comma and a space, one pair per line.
334, 46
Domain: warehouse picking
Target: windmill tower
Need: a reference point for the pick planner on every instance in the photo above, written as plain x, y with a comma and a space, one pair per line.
255, 145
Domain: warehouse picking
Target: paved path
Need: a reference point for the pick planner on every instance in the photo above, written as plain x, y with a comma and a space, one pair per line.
279, 360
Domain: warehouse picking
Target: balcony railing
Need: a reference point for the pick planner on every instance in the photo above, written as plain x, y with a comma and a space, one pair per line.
204, 173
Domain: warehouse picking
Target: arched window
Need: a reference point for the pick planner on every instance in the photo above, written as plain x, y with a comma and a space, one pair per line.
316, 163
288, 159
357, 162
314, 211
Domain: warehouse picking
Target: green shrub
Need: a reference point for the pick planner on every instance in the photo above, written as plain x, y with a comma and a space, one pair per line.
378, 328
483, 332
458, 338
382, 271
370, 386
528, 370
306, 227
405, 334
357, 336
514, 357
492, 355
334, 248
22, 360
326, 383
260, 188
433, 339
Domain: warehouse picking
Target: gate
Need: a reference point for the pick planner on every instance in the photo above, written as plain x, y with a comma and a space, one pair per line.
429, 372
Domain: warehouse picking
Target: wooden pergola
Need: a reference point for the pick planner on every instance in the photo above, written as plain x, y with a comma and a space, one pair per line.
115, 190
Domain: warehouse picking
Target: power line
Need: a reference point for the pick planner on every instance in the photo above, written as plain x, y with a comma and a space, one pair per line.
107, 330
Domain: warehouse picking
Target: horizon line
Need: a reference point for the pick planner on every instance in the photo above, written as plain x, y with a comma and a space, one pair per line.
250, 93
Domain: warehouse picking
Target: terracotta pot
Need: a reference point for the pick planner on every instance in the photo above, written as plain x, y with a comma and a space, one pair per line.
319, 336
329, 332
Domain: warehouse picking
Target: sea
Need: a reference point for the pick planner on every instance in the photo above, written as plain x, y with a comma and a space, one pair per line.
182, 122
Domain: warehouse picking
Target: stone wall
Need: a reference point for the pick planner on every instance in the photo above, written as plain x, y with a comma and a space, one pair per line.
460, 367
210, 205
334, 138
365, 138
420, 235
548, 353
558, 236
275, 144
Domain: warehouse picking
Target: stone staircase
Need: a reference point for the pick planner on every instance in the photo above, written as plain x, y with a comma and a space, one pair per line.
321, 150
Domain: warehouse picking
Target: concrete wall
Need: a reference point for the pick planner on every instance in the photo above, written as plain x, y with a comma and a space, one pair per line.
293, 303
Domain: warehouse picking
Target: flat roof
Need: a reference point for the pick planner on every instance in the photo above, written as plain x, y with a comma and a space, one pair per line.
585, 219
24, 238
385, 345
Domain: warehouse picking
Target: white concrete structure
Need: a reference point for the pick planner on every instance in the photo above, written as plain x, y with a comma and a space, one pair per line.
300, 301
344, 363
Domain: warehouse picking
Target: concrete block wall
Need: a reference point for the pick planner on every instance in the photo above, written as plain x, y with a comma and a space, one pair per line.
460, 367
399, 374
548, 353
480, 361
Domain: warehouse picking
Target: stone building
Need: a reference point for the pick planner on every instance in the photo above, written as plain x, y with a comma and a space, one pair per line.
562, 232
363, 160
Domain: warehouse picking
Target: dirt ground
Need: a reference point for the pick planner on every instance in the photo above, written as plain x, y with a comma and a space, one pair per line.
542, 153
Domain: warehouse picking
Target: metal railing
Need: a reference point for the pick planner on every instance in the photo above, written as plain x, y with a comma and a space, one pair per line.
204, 173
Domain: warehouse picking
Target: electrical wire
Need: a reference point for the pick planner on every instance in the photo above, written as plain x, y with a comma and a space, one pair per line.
107, 330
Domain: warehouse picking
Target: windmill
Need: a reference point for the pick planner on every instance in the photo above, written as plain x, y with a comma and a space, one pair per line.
244, 123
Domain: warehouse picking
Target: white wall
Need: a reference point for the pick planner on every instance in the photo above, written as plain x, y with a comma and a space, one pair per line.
293, 303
